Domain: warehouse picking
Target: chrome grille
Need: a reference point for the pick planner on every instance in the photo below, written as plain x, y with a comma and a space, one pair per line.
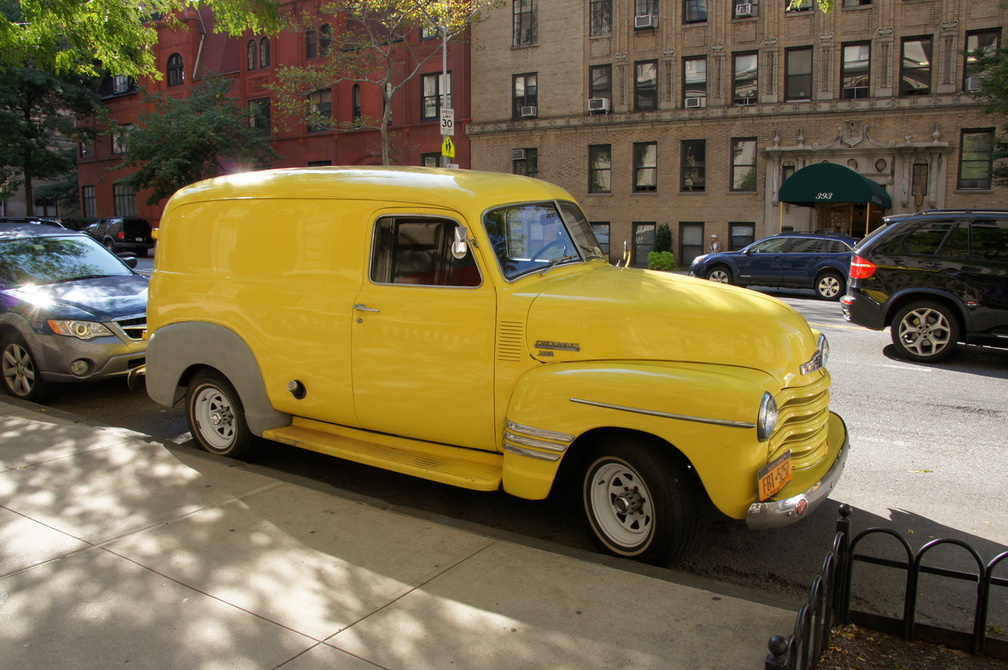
802, 423
132, 326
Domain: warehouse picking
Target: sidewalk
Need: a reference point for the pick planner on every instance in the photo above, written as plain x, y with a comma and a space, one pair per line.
116, 552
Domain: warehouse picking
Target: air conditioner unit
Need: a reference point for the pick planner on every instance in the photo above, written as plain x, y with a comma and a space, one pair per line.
517, 154
743, 9
529, 111
645, 21
694, 102
598, 105
972, 84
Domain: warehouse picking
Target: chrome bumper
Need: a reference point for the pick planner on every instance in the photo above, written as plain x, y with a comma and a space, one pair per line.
779, 513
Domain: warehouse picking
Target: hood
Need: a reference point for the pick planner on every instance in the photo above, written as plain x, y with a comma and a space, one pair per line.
611, 313
99, 299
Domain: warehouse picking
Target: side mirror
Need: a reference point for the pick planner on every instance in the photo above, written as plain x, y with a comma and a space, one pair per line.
460, 247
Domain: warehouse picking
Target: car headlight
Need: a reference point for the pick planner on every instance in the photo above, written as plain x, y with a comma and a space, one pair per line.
82, 330
819, 359
766, 424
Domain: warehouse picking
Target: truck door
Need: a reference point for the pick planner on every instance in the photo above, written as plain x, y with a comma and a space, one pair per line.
423, 336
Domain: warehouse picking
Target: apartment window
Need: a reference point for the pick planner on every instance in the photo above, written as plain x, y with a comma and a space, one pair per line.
919, 178
643, 242
693, 165
694, 11
430, 160
86, 149
981, 42
89, 206
120, 138
691, 241
798, 74
646, 85
645, 167
646, 8
743, 9
260, 114
601, 230
915, 66
252, 54
856, 3
264, 52
176, 71
317, 42
525, 30
855, 70
433, 86
525, 101
746, 78
601, 81
320, 103
600, 168
743, 164
801, 6
600, 17
525, 162
741, 235
355, 101
976, 159
695, 82
123, 200
121, 83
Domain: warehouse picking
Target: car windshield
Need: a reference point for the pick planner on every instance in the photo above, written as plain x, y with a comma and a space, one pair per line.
529, 237
49, 260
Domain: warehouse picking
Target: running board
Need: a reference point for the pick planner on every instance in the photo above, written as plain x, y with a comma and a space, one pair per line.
465, 468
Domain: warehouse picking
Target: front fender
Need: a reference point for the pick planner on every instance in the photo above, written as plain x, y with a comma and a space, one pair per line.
706, 412
176, 349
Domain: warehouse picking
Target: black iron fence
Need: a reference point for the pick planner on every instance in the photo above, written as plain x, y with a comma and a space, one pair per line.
829, 599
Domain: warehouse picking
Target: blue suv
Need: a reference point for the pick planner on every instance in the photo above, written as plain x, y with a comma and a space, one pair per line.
819, 261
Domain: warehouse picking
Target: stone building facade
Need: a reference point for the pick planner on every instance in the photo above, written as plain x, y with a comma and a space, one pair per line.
692, 113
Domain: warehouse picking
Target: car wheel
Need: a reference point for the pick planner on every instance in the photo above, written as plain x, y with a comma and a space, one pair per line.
830, 286
21, 375
216, 417
110, 245
925, 331
720, 274
639, 502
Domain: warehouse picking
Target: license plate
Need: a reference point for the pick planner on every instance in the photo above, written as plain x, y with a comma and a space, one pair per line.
774, 476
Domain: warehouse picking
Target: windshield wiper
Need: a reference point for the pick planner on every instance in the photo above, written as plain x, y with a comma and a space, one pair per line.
556, 261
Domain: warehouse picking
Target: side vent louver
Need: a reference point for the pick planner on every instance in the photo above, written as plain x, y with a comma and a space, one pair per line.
510, 341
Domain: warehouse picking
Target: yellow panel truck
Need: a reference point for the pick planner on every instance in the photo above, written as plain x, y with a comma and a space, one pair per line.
466, 327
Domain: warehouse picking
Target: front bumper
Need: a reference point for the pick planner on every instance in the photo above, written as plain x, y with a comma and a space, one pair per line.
779, 513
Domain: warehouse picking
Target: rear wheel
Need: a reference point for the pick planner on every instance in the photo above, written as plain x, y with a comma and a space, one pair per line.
720, 274
640, 502
830, 286
924, 331
20, 373
217, 418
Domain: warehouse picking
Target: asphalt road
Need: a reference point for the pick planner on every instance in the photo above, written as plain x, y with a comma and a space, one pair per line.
929, 459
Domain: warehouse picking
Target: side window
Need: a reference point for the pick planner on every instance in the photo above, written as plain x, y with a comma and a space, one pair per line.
418, 251
837, 247
925, 240
805, 245
990, 240
772, 246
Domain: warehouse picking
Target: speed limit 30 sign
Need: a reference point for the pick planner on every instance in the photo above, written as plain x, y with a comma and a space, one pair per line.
447, 121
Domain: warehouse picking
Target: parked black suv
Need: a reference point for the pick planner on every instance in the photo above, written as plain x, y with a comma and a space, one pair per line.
936, 278
129, 233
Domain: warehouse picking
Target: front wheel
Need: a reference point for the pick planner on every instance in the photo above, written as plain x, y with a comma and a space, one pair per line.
216, 417
925, 332
640, 503
21, 375
830, 286
720, 274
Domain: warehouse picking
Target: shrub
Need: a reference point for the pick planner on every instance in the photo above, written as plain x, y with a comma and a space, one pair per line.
661, 260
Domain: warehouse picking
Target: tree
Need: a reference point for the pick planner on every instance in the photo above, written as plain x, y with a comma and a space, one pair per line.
77, 35
38, 131
373, 49
992, 67
185, 140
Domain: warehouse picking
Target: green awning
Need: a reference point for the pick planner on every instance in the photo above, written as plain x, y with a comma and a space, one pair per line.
830, 182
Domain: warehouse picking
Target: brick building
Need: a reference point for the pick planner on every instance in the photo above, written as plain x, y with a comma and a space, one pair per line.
191, 51
692, 113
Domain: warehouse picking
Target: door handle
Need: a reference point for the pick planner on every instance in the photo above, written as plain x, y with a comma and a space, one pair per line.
364, 308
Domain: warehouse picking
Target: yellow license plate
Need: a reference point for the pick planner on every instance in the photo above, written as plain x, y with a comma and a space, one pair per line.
774, 476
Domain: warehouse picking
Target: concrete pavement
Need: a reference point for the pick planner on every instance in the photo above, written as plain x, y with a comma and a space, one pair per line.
115, 552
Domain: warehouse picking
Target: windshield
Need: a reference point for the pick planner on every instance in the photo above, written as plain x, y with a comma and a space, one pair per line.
48, 260
529, 237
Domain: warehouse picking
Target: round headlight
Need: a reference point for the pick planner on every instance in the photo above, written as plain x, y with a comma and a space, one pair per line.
766, 424
824, 349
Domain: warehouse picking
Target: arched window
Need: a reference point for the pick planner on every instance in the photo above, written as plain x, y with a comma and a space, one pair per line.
253, 57
264, 52
176, 71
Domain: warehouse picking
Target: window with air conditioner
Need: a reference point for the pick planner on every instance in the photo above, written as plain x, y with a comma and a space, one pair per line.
645, 21
743, 10
524, 95
529, 111
598, 105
